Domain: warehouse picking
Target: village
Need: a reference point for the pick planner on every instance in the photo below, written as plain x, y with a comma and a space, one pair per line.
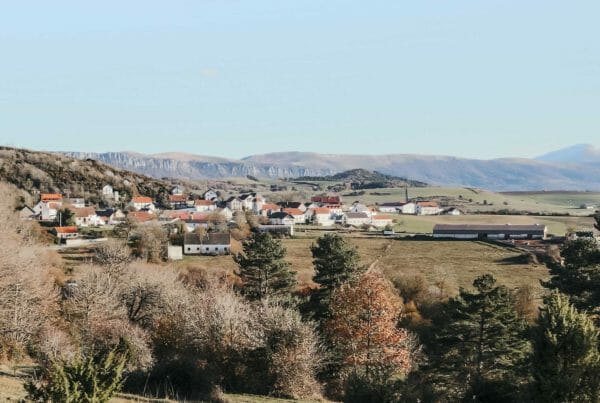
204, 225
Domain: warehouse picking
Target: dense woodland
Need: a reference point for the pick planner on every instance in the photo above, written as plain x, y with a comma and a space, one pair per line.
124, 324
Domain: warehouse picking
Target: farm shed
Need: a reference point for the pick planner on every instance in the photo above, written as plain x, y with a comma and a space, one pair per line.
502, 231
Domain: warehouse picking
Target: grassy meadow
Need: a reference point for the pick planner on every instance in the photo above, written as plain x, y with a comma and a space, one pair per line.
458, 261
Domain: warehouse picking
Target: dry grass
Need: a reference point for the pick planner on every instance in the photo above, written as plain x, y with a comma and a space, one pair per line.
460, 261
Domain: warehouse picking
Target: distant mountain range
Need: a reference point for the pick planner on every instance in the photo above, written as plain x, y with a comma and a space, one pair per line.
573, 168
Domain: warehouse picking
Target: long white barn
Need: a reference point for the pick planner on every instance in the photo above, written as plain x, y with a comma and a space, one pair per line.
502, 231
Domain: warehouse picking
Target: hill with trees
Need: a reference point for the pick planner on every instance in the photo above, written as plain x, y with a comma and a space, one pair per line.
365, 179
43, 172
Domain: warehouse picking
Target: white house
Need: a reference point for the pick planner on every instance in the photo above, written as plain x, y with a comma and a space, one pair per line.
408, 208
394, 207
357, 219
428, 208
86, 217
234, 203
210, 195
381, 220
192, 223
205, 205
48, 206
76, 202
178, 201
65, 232
177, 190
268, 209
299, 215
247, 201
108, 191
142, 203
452, 211
211, 243
323, 216
281, 218
257, 205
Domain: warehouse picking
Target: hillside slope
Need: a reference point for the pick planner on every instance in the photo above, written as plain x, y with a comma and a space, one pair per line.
497, 174
42, 172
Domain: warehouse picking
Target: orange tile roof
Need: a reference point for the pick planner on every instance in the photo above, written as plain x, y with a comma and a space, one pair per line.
142, 199
66, 230
293, 211
141, 216
177, 198
204, 203
382, 217
51, 197
269, 206
322, 210
84, 212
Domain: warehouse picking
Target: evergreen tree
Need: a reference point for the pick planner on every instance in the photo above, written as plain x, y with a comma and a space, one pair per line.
263, 270
90, 378
335, 261
480, 344
565, 357
579, 275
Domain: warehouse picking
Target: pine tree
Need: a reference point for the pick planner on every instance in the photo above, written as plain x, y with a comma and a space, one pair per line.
263, 270
579, 275
481, 341
565, 357
335, 261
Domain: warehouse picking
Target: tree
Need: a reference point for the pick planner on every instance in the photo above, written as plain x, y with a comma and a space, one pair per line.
263, 270
66, 217
363, 333
579, 275
113, 255
565, 356
480, 342
336, 261
91, 378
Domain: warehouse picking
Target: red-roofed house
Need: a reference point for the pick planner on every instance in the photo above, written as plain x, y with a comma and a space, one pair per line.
428, 208
48, 206
299, 216
141, 216
178, 200
65, 232
323, 216
205, 205
142, 203
381, 220
268, 209
86, 216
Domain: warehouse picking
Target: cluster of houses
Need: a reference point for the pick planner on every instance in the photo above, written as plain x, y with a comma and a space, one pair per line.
214, 214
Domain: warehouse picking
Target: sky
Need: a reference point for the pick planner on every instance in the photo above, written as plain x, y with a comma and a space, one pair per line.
469, 78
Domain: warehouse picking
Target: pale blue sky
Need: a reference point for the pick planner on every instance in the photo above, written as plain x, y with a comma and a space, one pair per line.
234, 77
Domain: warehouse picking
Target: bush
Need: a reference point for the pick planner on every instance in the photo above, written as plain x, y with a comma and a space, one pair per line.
91, 378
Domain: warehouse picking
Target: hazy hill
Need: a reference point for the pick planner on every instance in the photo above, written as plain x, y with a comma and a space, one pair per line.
42, 172
496, 174
577, 154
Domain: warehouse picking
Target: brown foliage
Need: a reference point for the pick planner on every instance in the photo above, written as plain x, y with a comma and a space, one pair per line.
363, 323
